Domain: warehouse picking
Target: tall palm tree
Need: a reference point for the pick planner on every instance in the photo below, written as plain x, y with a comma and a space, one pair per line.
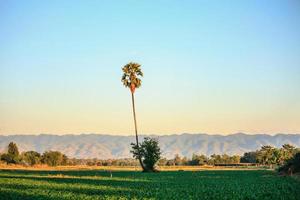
131, 73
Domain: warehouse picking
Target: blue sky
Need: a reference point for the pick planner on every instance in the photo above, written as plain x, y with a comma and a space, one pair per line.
210, 66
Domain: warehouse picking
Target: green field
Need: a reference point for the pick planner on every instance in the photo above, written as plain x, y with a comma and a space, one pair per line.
97, 184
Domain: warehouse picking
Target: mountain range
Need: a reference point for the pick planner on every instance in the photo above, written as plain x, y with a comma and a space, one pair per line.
112, 146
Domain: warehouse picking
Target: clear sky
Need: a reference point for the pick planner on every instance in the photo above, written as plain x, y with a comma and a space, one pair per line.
216, 67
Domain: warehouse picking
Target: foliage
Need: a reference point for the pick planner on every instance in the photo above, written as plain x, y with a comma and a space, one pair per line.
269, 155
249, 157
199, 160
292, 165
131, 73
98, 184
266, 155
13, 149
223, 159
12, 155
31, 157
287, 152
54, 158
280, 156
148, 151
10, 159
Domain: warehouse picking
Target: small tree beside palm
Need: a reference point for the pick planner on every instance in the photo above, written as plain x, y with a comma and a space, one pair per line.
149, 152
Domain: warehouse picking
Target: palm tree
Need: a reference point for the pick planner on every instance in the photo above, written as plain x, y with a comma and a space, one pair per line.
131, 73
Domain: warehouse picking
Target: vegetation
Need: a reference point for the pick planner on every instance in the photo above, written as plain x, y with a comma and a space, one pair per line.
100, 162
249, 157
292, 165
131, 73
54, 158
199, 160
31, 157
148, 152
95, 184
270, 156
101, 184
51, 158
12, 155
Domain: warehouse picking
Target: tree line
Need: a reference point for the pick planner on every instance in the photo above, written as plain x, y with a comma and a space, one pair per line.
56, 158
266, 155
50, 158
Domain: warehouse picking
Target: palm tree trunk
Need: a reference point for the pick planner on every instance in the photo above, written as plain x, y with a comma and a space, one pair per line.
136, 134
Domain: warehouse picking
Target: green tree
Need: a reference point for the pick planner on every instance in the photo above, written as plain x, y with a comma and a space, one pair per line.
54, 158
292, 165
215, 159
12, 156
13, 149
149, 153
249, 157
199, 159
31, 157
235, 159
131, 73
266, 155
225, 159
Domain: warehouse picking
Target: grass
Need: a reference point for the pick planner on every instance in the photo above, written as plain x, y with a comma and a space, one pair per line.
98, 184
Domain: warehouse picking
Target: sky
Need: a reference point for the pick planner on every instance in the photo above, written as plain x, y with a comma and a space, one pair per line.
216, 67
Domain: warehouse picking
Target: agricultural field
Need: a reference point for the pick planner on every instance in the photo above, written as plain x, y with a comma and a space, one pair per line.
101, 184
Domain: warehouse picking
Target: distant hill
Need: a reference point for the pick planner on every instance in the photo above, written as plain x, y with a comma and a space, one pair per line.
110, 146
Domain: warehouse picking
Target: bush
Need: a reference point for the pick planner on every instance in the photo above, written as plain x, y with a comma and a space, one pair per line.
54, 158
31, 158
148, 151
10, 159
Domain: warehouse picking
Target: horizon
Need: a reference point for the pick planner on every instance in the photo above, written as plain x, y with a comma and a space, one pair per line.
209, 67
155, 135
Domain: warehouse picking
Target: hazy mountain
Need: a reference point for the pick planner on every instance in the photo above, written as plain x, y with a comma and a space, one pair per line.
109, 146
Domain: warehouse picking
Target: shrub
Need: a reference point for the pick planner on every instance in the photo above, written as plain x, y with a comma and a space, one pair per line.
54, 158
148, 151
31, 157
